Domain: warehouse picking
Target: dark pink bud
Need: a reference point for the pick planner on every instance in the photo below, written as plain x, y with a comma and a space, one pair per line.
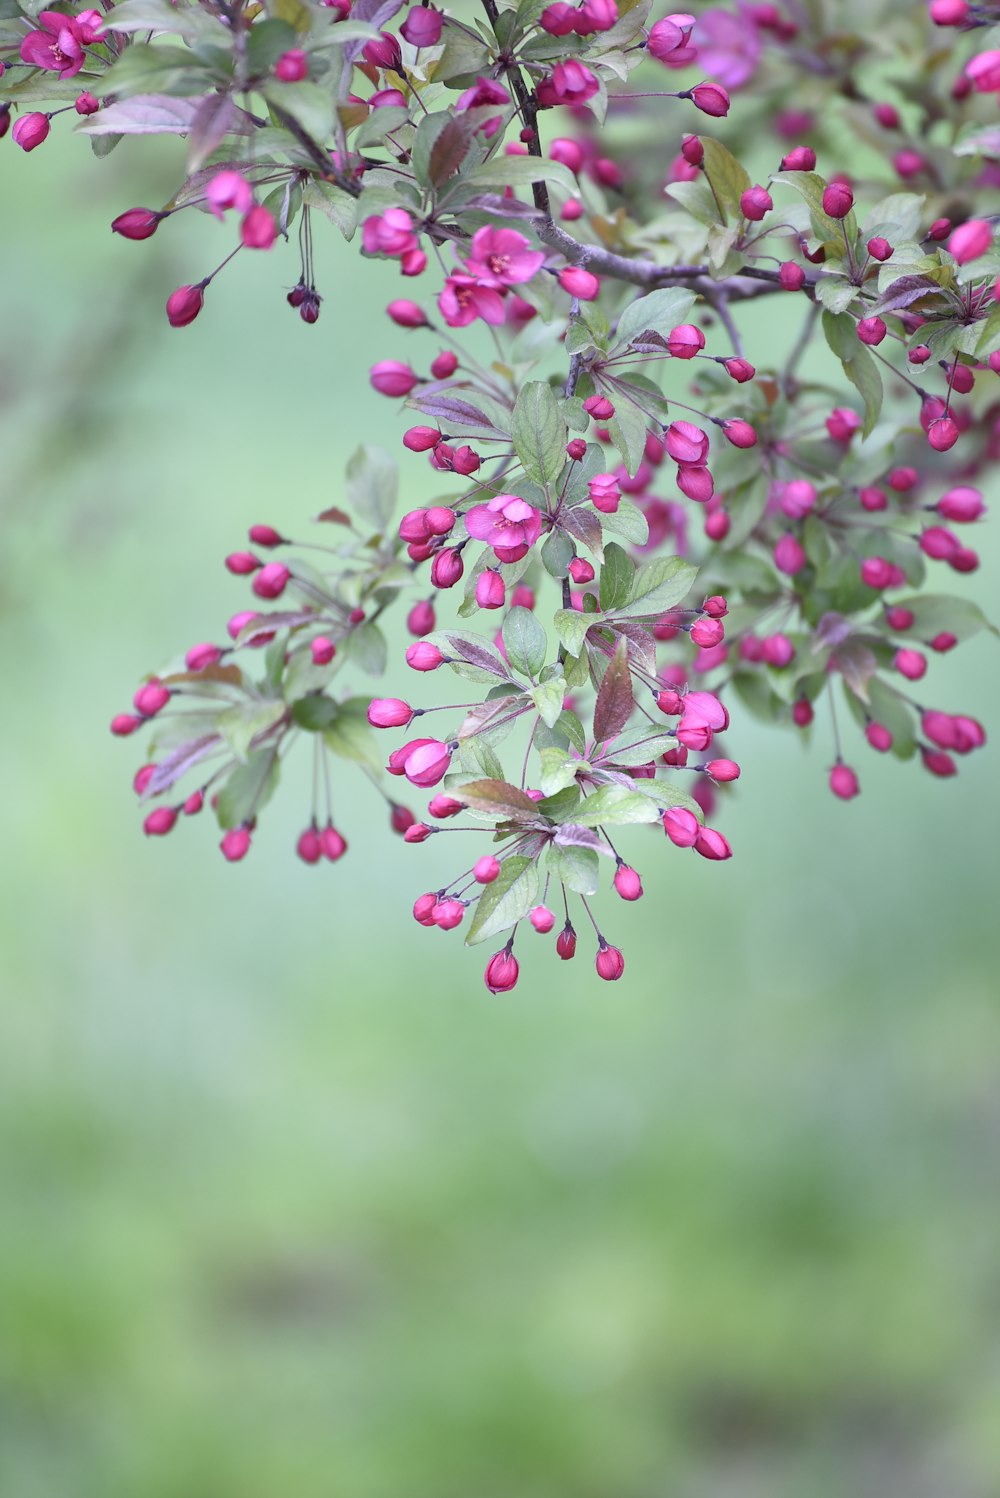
322, 650
235, 844
685, 341
30, 130
424, 657
142, 778
136, 223
943, 641
242, 563
491, 590
802, 713
122, 724
739, 433
407, 314
872, 498
711, 99
423, 909
871, 330
486, 869
390, 712
86, 104
184, 304
151, 698
838, 200
791, 276
692, 150
844, 782
580, 283
421, 439
971, 240
333, 843
739, 370
961, 505
919, 355
576, 449
309, 846
265, 535
777, 650
581, 571
723, 770
271, 580
421, 619
292, 66
938, 763
542, 919
384, 52
501, 972
390, 377
413, 832
160, 821
706, 633
440, 520
938, 543
755, 203
194, 803
942, 434
879, 248
717, 526
447, 914
444, 365
258, 231
599, 407
681, 826
610, 963
842, 423
910, 663
200, 656
879, 737
627, 882
446, 568
422, 27
414, 527
566, 943
799, 159
428, 764
711, 844
789, 556
442, 806
876, 572
898, 618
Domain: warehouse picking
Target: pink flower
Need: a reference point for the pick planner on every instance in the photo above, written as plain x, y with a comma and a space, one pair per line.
427, 764
728, 46
983, 69
258, 230
686, 443
463, 299
570, 82
228, 190
971, 240
501, 257
669, 41
30, 130
389, 233
58, 45
508, 523
483, 93
292, 66
501, 972
422, 27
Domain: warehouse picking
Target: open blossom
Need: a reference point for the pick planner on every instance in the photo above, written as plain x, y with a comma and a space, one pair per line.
58, 45
570, 82
389, 233
729, 46
501, 257
508, 523
463, 299
228, 190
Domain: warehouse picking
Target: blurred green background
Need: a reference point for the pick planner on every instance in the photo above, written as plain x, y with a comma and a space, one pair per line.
290, 1204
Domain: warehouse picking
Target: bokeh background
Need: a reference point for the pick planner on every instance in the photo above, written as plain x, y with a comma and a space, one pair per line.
289, 1205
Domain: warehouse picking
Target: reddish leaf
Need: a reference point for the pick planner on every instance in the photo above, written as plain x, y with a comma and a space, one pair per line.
614, 699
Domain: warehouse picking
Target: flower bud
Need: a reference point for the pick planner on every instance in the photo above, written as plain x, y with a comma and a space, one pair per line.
581, 571
414, 832
789, 556
390, 712
739, 433
486, 869
799, 159
942, 434
184, 304
151, 698
446, 569
447, 914
258, 230
711, 844
333, 843
390, 377
879, 737
681, 826
711, 99
322, 650
491, 590
428, 764
580, 283
599, 407
576, 449
542, 919
871, 330
122, 724
444, 365
627, 882
879, 249
235, 844
723, 770
309, 847
838, 200
739, 370
271, 580
421, 619
778, 651
910, 663
200, 656
961, 505
685, 341
160, 821
610, 963
30, 130
423, 26
501, 972
802, 713
755, 203
136, 223
566, 943
791, 276
938, 543
844, 782
706, 633
876, 572
423, 909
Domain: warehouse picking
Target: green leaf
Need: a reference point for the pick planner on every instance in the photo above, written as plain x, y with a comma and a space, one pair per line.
727, 178
936, 613
657, 587
524, 641
338, 206
859, 366
629, 522
240, 724
366, 648
539, 432
507, 900
617, 576
835, 293
557, 553
577, 868
616, 806
308, 104
569, 725
521, 171
314, 712
656, 312
143, 69
639, 753
351, 737
572, 626
372, 485
615, 701
248, 787
628, 428
558, 770
548, 698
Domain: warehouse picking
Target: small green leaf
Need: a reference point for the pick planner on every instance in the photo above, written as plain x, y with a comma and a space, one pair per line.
727, 178
657, 587
577, 868
629, 522
507, 900
656, 312
372, 485
558, 770
572, 626
248, 787
548, 698
524, 641
557, 553
240, 724
539, 432
859, 366
314, 712
617, 576
616, 806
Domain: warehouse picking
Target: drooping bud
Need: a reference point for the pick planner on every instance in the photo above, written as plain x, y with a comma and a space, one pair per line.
542, 919
627, 882
610, 963
844, 782
486, 869
501, 972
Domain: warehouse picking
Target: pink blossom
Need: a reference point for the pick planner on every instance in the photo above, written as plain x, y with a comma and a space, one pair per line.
483, 93
983, 69
389, 233
508, 523
58, 46
728, 46
570, 82
427, 764
501, 257
669, 41
463, 299
30, 130
228, 190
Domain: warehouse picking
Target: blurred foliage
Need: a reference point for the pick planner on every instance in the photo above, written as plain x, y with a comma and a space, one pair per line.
290, 1204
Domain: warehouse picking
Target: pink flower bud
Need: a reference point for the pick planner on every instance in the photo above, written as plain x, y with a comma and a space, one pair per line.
322, 650
522, 597
879, 249
390, 712
706, 633
421, 440
580, 283
416, 832
160, 821
604, 493
711, 99
876, 572
739, 433
542, 919
686, 443
898, 618
844, 782
390, 377
939, 229
610, 963
871, 330
122, 724
942, 434
184, 304
333, 843
739, 370
30, 130
879, 737
802, 713
949, 12
711, 844
566, 943
442, 806
944, 641
568, 152
136, 223
142, 778
692, 150
910, 663
961, 505
447, 914
938, 763
627, 882
423, 26
427, 764
242, 563
964, 560
717, 526
581, 571
681, 826
447, 568
778, 651
258, 230
486, 869
939, 543
838, 200
407, 314
789, 556
309, 846
723, 770
791, 276
576, 449
423, 909
799, 159
200, 656
755, 203
909, 163
685, 341
444, 365
235, 844
842, 423
423, 656
194, 804
697, 483
440, 519
292, 66
151, 698
271, 580
501, 972
491, 590
421, 619
599, 407
871, 498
